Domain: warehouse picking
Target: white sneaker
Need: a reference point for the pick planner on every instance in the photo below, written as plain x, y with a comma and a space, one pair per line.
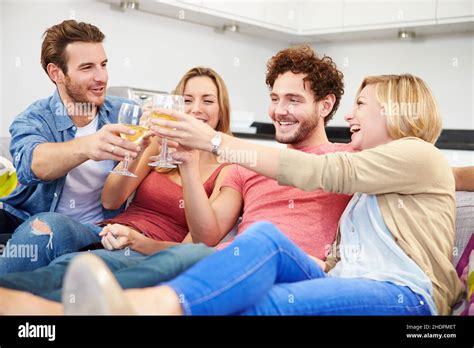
90, 288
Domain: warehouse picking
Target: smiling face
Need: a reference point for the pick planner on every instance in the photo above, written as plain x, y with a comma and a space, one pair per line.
293, 110
201, 100
367, 122
86, 78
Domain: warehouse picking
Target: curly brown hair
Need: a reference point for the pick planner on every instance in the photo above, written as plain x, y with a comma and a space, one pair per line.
322, 73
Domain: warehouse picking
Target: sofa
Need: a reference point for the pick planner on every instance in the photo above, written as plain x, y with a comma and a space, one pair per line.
464, 222
464, 237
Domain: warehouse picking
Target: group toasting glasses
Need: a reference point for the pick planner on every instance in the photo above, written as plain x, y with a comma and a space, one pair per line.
132, 116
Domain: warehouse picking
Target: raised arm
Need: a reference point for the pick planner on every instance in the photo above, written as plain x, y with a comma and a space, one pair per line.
38, 157
54, 160
192, 133
209, 219
407, 165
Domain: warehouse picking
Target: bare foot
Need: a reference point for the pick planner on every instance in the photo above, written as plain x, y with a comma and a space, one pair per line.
14, 302
160, 300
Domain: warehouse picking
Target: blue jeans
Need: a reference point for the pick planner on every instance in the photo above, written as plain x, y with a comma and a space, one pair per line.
29, 248
263, 273
132, 269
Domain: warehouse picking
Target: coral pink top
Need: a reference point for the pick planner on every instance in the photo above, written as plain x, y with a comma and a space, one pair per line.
157, 210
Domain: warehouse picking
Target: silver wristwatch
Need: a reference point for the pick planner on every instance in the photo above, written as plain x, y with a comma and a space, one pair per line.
216, 143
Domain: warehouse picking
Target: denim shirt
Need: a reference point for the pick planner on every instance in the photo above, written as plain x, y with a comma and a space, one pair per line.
46, 121
368, 250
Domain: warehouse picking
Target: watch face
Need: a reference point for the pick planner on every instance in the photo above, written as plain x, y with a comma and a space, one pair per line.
216, 140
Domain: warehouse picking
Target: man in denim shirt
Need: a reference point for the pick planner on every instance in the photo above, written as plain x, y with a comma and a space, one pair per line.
64, 146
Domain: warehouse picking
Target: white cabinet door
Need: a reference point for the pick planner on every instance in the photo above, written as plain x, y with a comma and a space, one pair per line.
253, 10
188, 3
284, 14
366, 13
317, 15
273, 13
455, 8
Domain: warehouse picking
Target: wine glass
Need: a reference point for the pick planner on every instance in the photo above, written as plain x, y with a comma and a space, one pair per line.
130, 116
166, 101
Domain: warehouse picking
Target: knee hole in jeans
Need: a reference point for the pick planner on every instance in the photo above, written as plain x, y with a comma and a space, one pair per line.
39, 228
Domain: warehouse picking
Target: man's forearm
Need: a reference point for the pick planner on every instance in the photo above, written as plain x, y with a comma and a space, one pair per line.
464, 177
54, 160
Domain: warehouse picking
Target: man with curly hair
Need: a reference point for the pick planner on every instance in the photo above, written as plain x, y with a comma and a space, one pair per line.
305, 91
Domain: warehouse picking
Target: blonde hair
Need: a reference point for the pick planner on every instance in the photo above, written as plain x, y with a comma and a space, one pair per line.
222, 95
409, 105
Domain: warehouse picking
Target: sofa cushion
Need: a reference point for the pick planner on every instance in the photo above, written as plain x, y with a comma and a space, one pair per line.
464, 222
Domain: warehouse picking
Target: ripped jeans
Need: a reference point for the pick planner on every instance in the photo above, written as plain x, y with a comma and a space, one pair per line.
44, 237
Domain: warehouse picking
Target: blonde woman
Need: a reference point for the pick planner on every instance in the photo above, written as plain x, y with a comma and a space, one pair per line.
393, 250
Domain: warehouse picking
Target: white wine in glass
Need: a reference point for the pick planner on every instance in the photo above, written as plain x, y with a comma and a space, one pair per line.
137, 137
129, 115
166, 101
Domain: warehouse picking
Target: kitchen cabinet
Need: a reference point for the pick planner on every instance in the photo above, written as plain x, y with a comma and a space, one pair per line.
454, 9
386, 13
243, 10
278, 15
283, 14
317, 16
326, 20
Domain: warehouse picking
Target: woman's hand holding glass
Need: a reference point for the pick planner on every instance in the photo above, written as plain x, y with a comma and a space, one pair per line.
161, 105
188, 157
186, 130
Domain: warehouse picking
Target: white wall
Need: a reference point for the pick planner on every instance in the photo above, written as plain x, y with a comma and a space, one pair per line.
444, 62
144, 50
458, 158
